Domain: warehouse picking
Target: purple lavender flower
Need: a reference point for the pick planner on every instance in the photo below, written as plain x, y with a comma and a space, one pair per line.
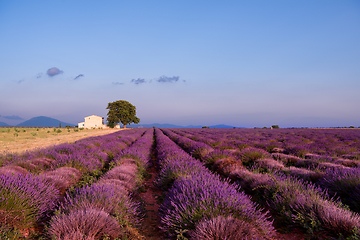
198, 195
86, 223
25, 200
344, 183
103, 197
225, 228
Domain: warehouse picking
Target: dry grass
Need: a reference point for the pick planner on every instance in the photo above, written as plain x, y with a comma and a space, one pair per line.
18, 140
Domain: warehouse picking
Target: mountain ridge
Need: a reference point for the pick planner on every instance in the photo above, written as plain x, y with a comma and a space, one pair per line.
2, 124
42, 121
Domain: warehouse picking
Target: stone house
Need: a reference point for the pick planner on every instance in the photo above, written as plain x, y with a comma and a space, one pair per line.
92, 121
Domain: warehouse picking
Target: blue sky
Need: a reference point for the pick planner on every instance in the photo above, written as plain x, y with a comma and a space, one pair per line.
241, 63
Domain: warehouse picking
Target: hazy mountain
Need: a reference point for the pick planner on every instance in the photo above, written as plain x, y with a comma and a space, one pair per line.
43, 122
2, 124
166, 125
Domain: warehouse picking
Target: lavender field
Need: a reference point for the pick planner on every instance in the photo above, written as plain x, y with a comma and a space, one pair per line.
214, 184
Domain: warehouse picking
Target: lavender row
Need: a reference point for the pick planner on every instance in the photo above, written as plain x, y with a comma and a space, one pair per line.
299, 159
133, 160
340, 181
199, 204
22, 206
85, 154
140, 151
334, 143
195, 148
297, 202
340, 177
66, 164
105, 209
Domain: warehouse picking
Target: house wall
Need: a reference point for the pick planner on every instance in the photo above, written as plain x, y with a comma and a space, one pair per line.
93, 122
81, 125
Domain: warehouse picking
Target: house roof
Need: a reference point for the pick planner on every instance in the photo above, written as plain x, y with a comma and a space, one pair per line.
93, 116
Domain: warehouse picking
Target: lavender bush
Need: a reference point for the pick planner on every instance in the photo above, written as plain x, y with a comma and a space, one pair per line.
301, 203
82, 224
214, 156
126, 174
249, 155
12, 170
25, 200
344, 183
220, 228
62, 177
105, 200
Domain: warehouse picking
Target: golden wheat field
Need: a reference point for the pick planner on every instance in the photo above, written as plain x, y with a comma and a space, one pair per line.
20, 139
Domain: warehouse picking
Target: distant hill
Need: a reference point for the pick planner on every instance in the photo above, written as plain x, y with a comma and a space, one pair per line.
2, 124
43, 122
165, 125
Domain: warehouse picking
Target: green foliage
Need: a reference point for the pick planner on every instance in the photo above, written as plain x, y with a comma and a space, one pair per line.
87, 179
8, 232
59, 125
19, 211
58, 131
121, 111
180, 234
250, 155
275, 126
355, 234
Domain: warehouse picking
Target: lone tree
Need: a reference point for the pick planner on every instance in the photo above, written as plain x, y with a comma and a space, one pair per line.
121, 111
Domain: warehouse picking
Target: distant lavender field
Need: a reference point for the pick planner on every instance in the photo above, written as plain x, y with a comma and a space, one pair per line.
216, 184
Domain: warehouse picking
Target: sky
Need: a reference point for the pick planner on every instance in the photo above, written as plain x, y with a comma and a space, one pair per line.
241, 63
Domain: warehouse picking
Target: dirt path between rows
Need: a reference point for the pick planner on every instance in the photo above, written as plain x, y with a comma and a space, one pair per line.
151, 199
150, 225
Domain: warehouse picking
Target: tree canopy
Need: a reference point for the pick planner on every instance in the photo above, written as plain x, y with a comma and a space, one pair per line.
121, 111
